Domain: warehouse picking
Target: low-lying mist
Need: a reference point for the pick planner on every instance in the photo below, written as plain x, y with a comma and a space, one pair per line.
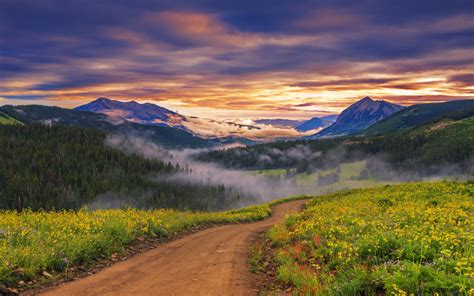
258, 187
250, 187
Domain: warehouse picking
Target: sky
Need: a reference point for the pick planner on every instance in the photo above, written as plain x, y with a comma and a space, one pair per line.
236, 59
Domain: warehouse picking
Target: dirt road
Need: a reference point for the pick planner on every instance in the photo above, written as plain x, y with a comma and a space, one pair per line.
209, 262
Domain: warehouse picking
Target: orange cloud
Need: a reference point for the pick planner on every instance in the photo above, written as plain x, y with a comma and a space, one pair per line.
188, 24
328, 18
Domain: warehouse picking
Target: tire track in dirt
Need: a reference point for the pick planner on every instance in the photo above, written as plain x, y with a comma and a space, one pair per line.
209, 262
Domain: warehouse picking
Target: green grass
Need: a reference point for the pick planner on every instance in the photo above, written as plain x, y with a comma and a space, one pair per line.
351, 184
256, 258
305, 179
272, 172
348, 174
348, 171
32, 242
6, 119
403, 239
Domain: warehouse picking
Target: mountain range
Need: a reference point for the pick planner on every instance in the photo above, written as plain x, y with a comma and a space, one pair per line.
316, 123
359, 116
170, 129
154, 115
300, 125
162, 135
151, 114
147, 113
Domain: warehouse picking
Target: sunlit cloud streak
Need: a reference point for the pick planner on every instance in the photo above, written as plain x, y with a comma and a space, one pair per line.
236, 59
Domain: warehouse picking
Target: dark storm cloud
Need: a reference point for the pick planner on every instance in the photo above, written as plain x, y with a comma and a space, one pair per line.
466, 79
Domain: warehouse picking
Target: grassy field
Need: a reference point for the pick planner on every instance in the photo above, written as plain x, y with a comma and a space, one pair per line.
5, 119
407, 239
351, 184
347, 172
32, 242
274, 172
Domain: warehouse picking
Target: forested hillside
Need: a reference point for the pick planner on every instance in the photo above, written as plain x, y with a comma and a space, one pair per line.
161, 135
68, 167
6, 119
420, 114
447, 142
426, 149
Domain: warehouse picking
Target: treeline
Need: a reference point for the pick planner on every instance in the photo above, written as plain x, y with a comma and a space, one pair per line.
450, 149
63, 167
425, 150
283, 154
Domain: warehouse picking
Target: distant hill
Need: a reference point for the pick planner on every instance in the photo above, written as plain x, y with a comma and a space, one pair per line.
420, 114
443, 147
316, 122
331, 117
216, 131
359, 116
6, 119
278, 122
161, 135
65, 167
147, 113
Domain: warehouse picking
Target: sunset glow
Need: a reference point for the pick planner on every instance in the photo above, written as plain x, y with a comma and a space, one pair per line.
236, 59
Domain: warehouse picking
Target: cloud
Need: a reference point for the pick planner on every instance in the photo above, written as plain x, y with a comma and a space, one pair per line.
239, 128
315, 84
463, 79
323, 19
240, 57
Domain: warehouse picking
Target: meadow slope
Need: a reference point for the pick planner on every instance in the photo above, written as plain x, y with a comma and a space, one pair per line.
395, 240
32, 242
209, 262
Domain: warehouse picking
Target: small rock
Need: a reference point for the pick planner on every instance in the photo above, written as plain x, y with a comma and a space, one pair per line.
4, 290
21, 283
47, 274
30, 283
19, 272
141, 238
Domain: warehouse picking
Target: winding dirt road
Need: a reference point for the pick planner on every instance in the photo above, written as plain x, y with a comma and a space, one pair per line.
209, 262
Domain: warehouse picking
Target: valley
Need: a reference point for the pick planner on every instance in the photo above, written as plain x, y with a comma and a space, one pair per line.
200, 148
79, 189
